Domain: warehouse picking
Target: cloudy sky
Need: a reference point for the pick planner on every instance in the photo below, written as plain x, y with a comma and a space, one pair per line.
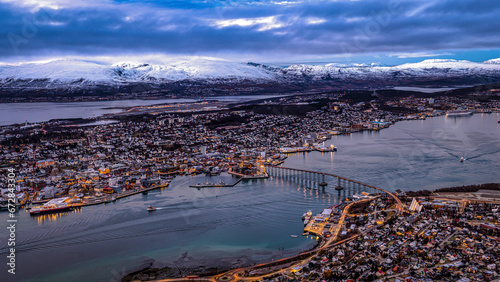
266, 31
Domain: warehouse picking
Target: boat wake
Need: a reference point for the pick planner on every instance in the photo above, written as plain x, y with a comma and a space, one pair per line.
449, 151
487, 153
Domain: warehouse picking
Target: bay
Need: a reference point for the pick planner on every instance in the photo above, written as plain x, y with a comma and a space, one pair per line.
253, 220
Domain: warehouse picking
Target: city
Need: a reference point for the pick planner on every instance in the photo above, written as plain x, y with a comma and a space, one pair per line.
255, 140
61, 165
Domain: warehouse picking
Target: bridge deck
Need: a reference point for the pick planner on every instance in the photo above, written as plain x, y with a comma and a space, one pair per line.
399, 204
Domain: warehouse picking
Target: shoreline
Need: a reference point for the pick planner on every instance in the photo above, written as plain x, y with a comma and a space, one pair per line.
484, 193
103, 201
472, 188
205, 267
154, 273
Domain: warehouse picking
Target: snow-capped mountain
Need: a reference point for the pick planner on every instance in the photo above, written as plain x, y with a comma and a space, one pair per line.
429, 68
88, 74
493, 61
71, 71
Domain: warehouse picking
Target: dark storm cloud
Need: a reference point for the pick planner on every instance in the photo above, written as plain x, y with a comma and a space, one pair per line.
205, 27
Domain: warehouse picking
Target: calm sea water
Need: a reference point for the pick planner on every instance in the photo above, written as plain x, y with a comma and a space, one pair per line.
417, 154
254, 219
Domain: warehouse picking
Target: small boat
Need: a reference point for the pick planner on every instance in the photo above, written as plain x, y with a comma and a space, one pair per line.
294, 236
151, 208
462, 159
305, 234
307, 217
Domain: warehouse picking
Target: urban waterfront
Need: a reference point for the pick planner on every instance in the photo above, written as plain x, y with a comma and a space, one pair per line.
250, 221
253, 220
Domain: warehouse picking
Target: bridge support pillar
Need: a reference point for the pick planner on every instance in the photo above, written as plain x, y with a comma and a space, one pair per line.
322, 183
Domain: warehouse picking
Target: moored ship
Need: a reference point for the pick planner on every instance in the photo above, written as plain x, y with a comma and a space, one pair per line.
56, 205
322, 148
49, 209
458, 113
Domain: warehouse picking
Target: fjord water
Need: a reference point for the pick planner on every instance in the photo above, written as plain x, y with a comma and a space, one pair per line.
43, 111
415, 154
253, 220
37, 112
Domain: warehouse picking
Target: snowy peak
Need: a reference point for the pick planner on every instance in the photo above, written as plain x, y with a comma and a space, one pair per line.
493, 61
358, 65
441, 63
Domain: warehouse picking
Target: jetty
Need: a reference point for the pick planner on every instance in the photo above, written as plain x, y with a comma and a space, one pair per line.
213, 185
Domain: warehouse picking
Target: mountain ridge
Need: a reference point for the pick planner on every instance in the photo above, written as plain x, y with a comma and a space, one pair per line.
71, 70
212, 76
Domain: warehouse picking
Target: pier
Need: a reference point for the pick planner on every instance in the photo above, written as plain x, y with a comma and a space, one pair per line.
213, 185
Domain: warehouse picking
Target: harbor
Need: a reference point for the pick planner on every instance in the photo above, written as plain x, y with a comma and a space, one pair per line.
45, 206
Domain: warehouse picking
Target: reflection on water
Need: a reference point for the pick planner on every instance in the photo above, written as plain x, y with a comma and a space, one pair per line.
41, 218
255, 217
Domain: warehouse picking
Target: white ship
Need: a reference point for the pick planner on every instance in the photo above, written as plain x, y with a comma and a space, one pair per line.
55, 205
458, 113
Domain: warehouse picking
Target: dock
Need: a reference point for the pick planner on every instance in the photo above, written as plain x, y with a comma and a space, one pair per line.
212, 185
118, 196
314, 228
244, 176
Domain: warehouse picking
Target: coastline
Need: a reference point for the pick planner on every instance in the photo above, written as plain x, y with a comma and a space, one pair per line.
188, 265
201, 268
456, 189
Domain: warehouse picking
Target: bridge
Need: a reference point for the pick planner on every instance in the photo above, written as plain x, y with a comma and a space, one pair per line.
312, 179
322, 180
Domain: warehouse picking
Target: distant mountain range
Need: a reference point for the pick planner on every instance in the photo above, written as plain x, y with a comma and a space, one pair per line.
192, 73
